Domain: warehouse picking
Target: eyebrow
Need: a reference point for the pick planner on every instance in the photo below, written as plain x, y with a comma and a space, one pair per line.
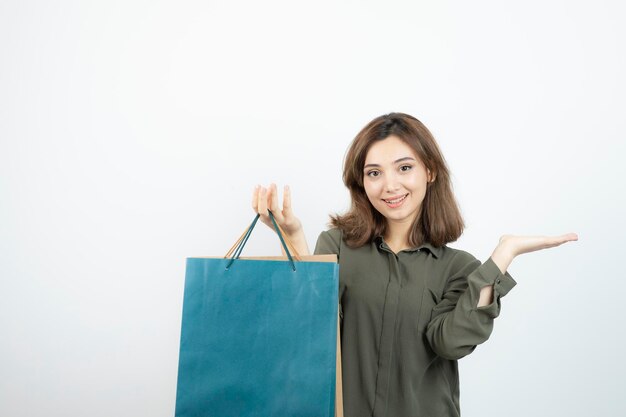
406, 158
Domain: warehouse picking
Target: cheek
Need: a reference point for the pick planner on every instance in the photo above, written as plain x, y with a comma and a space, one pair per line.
416, 182
372, 191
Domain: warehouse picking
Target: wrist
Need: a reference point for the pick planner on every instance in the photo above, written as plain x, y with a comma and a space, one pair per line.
298, 240
502, 256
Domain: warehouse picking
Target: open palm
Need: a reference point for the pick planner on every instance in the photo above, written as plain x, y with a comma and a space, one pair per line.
524, 244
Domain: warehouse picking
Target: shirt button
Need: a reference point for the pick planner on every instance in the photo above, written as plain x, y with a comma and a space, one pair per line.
498, 281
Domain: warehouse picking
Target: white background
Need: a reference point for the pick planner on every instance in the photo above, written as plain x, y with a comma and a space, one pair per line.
133, 132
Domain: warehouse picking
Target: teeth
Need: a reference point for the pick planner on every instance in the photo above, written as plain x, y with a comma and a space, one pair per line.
397, 200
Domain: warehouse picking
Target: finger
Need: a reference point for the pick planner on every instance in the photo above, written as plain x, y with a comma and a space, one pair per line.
287, 201
255, 197
571, 236
273, 198
559, 240
262, 202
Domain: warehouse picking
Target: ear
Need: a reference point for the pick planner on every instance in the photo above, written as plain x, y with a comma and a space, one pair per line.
431, 175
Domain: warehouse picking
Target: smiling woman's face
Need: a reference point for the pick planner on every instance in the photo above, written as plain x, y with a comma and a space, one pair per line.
395, 180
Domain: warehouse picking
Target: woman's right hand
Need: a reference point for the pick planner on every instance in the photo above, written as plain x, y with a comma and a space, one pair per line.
267, 198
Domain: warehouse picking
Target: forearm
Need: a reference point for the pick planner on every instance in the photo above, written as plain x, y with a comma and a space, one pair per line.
458, 325
486, 296
501, 256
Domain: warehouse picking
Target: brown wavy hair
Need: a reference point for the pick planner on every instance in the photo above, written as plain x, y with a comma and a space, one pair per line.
439, 220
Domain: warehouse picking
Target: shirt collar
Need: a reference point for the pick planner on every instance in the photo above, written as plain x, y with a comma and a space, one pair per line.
436, 251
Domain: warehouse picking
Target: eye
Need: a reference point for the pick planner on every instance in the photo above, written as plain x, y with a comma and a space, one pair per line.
373, 173
405, 168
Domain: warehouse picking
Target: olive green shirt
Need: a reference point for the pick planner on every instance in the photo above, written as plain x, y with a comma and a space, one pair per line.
405, 320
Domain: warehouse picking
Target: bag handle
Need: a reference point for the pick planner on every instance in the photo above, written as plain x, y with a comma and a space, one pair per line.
237, 248
290, 245
288, 241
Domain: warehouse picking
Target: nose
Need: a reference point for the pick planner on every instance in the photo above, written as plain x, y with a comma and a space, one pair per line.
391, 183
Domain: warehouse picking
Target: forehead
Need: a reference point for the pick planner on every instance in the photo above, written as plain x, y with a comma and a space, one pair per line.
389, 150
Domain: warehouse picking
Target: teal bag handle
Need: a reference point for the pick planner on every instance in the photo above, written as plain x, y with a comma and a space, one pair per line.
243, 241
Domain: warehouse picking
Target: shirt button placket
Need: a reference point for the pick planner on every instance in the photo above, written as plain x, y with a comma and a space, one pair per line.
387, 338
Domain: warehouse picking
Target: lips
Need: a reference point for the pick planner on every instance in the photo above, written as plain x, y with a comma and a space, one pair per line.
396, 201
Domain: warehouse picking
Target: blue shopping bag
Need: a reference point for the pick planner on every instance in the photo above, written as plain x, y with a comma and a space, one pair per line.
258, 336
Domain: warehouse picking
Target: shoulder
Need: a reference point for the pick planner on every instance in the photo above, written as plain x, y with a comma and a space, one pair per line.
329, 242
458, 260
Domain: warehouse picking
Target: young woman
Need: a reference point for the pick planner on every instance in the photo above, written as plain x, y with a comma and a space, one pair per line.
410, 306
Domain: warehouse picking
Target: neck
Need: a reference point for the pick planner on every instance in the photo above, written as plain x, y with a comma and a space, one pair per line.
397, 235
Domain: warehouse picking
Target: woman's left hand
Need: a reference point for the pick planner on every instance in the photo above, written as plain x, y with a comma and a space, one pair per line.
517, 245
510, 246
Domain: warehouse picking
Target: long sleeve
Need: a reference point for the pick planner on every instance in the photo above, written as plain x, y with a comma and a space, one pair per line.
403, 315
457, 325
328, 243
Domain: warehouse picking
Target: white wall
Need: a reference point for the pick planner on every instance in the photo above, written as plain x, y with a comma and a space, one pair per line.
133, 132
